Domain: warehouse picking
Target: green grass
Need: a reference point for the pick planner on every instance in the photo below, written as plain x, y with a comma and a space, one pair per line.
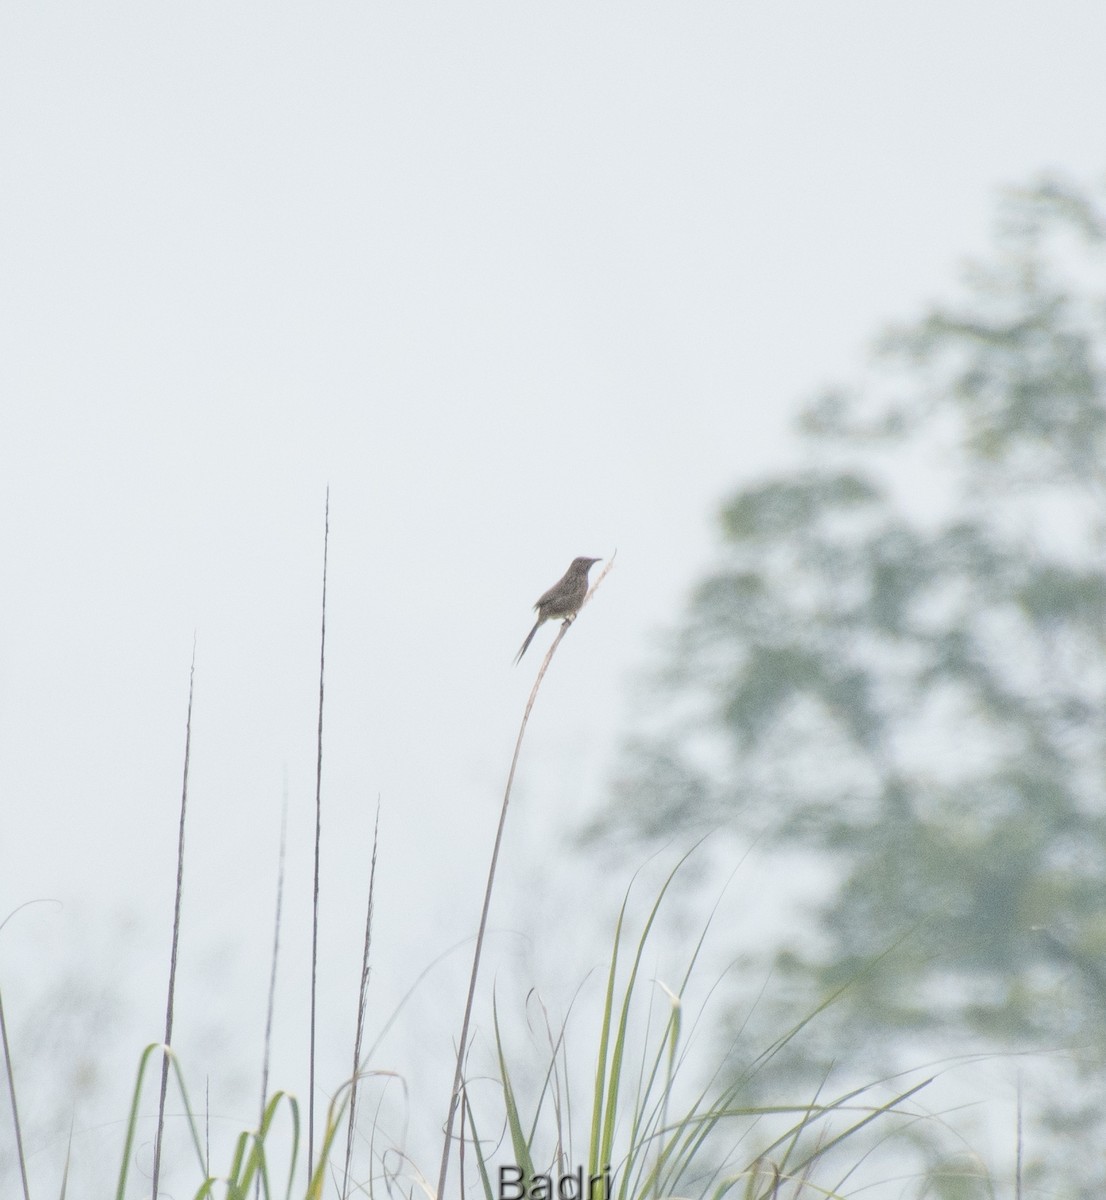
633, 1121
659, 1134
645, 1129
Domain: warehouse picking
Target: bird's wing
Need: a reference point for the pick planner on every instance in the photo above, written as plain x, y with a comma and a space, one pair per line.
548, 594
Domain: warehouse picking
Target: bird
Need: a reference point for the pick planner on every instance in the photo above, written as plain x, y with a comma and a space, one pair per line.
563, 599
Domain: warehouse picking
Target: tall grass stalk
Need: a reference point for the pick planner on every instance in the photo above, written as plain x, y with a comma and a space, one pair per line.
362, 998
1019, 1146
462, 1045
68, 1161
318, 839
171, 991
270, 1005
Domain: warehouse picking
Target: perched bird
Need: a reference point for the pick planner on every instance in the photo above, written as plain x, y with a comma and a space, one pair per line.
563, 599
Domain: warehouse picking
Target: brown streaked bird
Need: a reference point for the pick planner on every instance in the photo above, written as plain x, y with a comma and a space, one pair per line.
563, 599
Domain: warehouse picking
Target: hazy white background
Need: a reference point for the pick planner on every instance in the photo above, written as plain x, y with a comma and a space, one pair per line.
518, 282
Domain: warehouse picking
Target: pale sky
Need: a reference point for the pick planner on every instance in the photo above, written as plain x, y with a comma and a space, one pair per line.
518, 282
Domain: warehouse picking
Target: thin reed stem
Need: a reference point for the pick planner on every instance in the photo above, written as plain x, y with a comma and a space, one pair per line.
1019, 1143
455, 1093
362, 997
176, 934
318, 839
271, 1004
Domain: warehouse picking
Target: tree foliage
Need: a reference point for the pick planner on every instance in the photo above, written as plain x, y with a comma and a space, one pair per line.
898, 665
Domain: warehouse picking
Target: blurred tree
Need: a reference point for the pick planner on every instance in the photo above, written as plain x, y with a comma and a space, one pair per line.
898, 669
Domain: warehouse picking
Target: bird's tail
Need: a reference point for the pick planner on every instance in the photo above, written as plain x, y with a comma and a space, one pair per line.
529, 639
